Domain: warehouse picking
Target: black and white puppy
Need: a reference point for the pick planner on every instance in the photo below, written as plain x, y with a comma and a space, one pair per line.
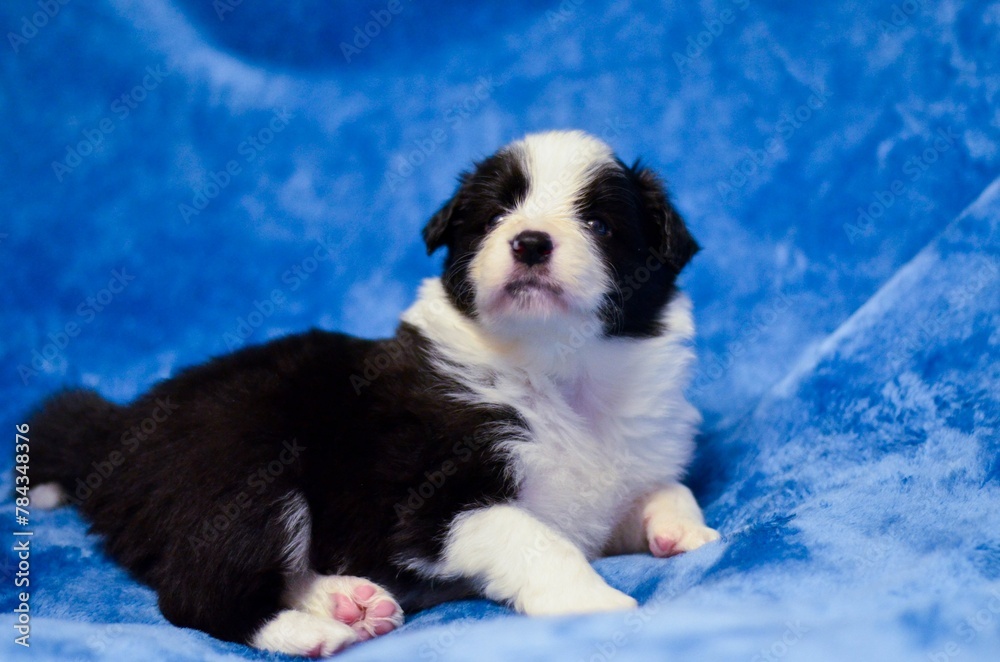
527, 417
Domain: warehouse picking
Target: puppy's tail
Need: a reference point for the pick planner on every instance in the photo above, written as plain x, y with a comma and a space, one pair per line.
67, 433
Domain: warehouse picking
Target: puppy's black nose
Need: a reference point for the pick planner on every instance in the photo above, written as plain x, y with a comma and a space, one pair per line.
532, 247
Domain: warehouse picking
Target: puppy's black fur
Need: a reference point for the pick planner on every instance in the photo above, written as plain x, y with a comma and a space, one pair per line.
647, 235
187, 484
189, 511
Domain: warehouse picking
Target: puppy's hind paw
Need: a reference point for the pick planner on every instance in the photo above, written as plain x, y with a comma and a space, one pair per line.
363, 606
298, 633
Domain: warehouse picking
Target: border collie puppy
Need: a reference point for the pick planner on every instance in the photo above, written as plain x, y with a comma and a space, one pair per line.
527, 417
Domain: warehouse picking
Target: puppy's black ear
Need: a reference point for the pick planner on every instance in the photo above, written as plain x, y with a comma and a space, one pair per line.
676, 244
437, 232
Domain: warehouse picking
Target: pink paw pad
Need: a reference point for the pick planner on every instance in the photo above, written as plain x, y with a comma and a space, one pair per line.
368, 610
663, 546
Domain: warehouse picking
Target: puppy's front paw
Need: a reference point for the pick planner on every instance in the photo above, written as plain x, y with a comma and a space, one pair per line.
669, 537
576, 600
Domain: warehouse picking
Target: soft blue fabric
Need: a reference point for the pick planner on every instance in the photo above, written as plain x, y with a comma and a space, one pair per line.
837, 161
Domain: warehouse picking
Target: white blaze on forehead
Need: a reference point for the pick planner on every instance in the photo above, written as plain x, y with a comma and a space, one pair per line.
559, 165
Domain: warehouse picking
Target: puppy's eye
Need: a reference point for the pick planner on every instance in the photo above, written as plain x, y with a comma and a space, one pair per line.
599, 227
493, 222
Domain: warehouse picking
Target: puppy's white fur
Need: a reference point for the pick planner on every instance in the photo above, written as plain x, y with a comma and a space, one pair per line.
526, 563
560, 165
610, 432
296, 632
298, 529
47, 496
608, 417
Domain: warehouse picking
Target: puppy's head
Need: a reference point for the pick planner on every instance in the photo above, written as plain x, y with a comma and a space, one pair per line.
554, 230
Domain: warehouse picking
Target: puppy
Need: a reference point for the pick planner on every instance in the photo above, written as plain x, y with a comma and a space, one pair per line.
527, 417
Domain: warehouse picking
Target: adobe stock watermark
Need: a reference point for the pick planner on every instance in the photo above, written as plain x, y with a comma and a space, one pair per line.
130, 441
364, 34
250, 148
121, 107
584, 332
374, 365
43, 358
901, 15
980, 274
423, 148
596, 489
462, 452
913, 169
697, 44
557, 188
292, 279
786, 126
970, 628
761, 318
779, 648
870, 555
635, 622
31, 24
258, 482
566, 11
445, 635
223, 7
101, 641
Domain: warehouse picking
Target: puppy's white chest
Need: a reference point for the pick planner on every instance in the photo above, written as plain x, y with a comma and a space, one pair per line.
573, 469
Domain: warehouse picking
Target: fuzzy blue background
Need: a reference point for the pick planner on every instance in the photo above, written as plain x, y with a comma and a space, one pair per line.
838, 161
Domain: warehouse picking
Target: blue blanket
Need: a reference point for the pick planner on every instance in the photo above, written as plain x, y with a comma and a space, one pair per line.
176, 175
